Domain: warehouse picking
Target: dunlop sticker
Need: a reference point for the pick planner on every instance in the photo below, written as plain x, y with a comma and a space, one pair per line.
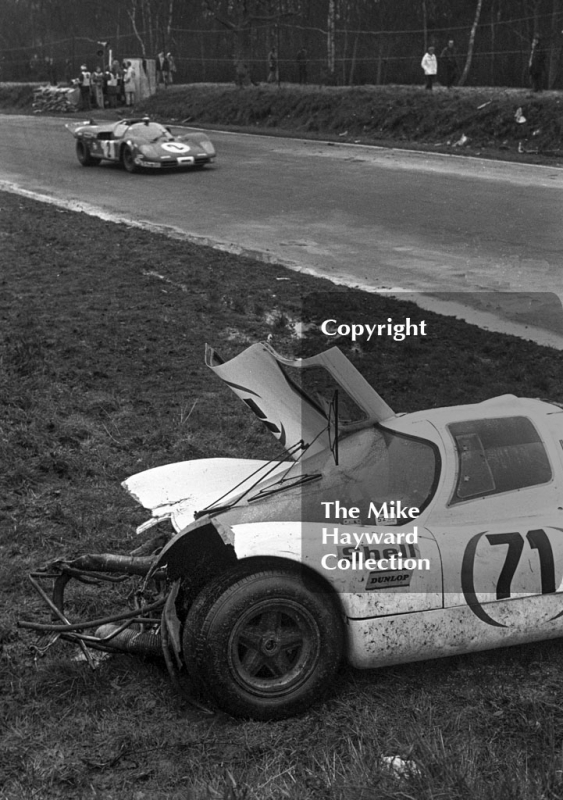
388, 579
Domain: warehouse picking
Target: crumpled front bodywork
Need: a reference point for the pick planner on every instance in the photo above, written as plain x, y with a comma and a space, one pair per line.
267, 383
255, 507
451, 592
299, 421
178, 491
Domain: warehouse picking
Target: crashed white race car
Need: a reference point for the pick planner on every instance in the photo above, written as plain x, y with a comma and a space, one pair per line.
382, 539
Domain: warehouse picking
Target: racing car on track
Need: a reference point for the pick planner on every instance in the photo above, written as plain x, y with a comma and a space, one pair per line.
383, 538
138, 144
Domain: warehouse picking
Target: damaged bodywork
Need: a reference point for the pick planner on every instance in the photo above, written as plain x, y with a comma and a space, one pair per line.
381, 538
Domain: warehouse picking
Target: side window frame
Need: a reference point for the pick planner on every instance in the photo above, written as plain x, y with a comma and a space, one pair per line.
455, 499
438, 461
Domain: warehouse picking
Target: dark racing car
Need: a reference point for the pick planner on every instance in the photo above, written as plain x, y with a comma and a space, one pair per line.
139, 144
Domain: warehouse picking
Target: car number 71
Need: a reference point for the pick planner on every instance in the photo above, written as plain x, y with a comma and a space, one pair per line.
537, 539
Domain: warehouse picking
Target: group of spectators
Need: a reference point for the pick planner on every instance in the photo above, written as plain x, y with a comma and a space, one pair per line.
107, 88
115, 86
165, 69
449, 65
243, 75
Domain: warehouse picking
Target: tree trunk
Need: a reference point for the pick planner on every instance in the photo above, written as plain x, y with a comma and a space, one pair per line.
353, 61
169, 20
330, 36
555, 49
471, 44
132, 13
492, 63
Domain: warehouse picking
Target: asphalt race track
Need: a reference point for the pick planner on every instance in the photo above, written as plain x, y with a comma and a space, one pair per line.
383, 219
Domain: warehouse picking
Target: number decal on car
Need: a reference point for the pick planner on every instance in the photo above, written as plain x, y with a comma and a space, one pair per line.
109, 149
175, 147
537, 540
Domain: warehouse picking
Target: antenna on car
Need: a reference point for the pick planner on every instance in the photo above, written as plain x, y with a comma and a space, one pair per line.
333, 426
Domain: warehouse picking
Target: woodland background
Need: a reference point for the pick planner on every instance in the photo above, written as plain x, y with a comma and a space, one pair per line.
348, 42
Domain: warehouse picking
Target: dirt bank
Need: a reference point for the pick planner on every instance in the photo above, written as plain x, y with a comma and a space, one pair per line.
511, 122
504, 123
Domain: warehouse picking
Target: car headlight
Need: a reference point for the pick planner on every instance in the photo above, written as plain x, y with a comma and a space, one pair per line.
208, 147
146, 149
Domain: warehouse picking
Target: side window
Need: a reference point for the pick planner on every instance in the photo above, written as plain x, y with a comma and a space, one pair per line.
497, 455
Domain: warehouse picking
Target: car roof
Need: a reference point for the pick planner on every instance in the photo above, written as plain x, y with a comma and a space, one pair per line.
507, 405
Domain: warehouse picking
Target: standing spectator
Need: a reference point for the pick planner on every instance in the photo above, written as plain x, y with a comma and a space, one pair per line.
68, 71
429, 64
118, 74
97, 80
172, 68
123, 71
302, 66
162, 69
129, 84
84, 82
111, 88
34, 66
536, 64
273, 66
448, 58
50, 70
241, 73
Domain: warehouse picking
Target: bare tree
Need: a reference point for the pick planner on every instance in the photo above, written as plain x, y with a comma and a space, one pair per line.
151, 22
132, 13
555, 50
331, 37
239, 17
471, 44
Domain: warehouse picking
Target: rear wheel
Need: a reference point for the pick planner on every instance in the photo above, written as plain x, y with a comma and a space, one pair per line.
84, 156
263, 645
128, 159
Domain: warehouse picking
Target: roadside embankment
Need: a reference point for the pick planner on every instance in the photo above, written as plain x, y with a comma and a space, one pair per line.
507, 123
512, 121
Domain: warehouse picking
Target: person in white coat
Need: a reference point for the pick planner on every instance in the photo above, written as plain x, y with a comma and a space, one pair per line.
129, 84
429, 64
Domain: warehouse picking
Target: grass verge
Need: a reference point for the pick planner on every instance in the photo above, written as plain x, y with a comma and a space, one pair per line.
462, 119
101, 353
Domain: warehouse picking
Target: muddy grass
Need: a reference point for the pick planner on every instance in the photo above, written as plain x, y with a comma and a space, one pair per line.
102, 330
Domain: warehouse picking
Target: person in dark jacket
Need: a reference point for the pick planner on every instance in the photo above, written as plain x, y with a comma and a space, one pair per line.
97, 80
448, 64
273, 75
536, 64
85, 83
162, 70
302, 65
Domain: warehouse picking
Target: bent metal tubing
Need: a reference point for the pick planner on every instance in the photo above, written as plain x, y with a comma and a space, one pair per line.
65, 626
73, 632
86, 569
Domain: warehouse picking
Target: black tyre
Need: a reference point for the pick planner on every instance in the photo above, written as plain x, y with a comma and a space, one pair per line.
128, 159
263, 645
84, 156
